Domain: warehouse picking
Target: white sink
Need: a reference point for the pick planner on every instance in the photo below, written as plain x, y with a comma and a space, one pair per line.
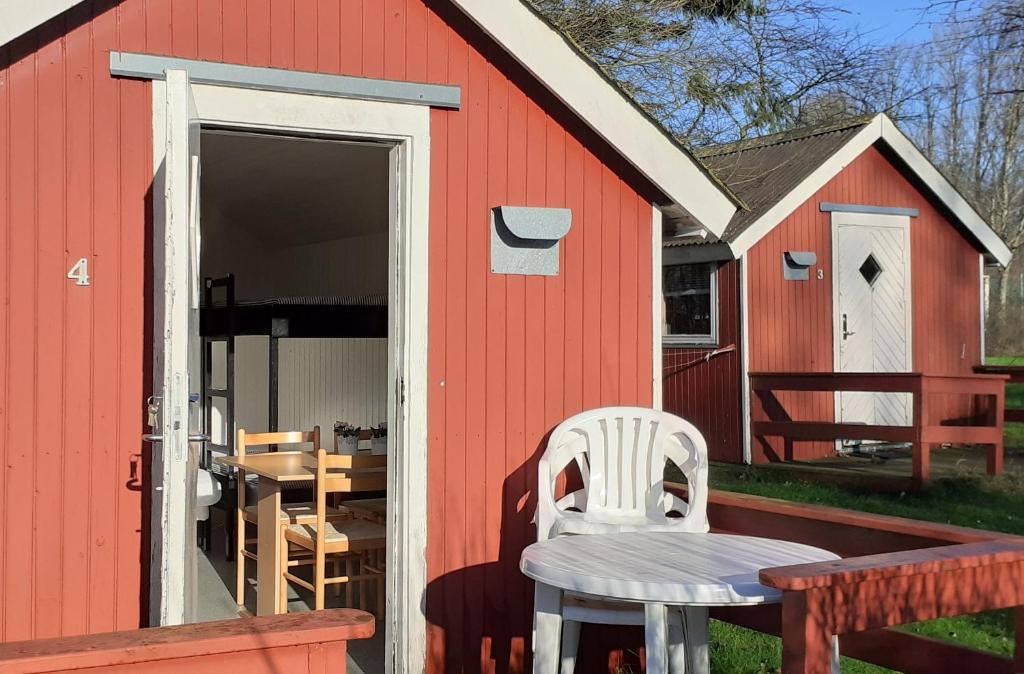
207, 493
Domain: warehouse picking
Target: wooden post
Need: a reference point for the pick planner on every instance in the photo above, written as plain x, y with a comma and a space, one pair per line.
921, 449
806, 641
996, 416
1018, 650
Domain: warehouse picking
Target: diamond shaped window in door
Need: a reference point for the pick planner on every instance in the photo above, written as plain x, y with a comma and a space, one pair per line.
871, 270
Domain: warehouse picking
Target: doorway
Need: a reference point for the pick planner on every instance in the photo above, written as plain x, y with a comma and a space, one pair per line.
872, 312
273, 157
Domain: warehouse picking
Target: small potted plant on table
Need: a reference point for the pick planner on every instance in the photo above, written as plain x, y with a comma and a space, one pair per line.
346, 437
379, 439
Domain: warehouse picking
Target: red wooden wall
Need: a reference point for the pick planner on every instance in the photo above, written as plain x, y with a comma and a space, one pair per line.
707, 393
509, 356
791, 323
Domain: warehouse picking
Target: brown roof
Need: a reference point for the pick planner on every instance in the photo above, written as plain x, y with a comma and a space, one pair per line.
761, 171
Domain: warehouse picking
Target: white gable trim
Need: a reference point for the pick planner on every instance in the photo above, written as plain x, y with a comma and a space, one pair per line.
881, 128
543, 51
944, 191
18, 17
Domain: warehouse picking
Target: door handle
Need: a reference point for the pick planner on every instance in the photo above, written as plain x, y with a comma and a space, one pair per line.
195, 437
846, 331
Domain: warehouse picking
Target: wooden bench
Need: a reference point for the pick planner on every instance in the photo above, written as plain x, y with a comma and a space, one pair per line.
924, 431
300, 643
1016, 375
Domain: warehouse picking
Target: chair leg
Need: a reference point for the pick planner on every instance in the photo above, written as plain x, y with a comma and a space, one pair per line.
336, 571
283, 582
381, 588
349, 571
695, 621
570, 645
836, 667
239, 561
318, 579
676, 642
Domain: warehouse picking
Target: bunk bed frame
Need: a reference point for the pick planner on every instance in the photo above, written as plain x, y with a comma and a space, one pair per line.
323, 317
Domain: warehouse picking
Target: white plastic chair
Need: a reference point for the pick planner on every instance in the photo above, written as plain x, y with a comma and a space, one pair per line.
621, 454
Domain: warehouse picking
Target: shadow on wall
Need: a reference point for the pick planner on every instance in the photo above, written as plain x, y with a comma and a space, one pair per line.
480, 617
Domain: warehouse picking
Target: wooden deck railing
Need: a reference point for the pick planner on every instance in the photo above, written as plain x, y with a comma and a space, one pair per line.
869, 593
924, 431
1016, 375
895, 570
299, 643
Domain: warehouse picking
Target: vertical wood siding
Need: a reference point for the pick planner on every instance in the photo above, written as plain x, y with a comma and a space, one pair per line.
791, 322
707, 393
509, 356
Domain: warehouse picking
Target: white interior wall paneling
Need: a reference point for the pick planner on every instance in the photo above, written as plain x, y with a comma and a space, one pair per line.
325, 380
252, 385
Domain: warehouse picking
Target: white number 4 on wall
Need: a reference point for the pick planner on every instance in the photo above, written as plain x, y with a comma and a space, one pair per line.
79, 272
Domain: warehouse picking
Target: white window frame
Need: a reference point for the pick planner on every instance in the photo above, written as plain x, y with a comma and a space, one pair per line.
407, 129
711, 339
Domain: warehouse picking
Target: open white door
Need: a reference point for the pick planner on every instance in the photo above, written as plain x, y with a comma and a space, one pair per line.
176, 359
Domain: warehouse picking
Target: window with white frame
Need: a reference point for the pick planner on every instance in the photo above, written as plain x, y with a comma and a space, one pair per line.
691, 303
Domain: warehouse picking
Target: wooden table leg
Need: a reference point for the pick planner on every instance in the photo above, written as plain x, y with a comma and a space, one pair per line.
547, 628
268, 566
656, 638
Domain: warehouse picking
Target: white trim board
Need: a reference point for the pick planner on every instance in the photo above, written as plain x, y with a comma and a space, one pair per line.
657, 310
881, 128
407, 129
546, 54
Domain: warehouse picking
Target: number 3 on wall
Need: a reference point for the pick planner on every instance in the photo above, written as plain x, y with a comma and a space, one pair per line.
79, 272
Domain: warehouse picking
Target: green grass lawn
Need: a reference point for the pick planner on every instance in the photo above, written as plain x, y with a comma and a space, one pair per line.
981, 502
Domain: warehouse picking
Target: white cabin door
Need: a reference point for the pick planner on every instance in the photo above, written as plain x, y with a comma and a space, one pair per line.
176, 379
872, 311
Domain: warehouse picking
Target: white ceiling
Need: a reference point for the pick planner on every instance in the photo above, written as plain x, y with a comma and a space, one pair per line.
292, 191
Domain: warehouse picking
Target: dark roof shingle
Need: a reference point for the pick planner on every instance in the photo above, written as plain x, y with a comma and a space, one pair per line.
762, 171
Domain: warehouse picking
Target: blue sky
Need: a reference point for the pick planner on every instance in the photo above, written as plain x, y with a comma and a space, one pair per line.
887, 21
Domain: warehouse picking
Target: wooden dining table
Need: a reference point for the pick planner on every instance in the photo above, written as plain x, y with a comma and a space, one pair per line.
275, 469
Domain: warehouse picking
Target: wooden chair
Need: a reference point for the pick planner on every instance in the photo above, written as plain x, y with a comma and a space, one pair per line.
291, 513
325, 536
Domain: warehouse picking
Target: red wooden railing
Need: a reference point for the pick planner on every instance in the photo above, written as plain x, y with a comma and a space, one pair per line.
895, 571
924, 431
299, 643
1016, 375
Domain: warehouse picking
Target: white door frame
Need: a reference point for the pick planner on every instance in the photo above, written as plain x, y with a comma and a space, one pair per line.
902, 222
407, 129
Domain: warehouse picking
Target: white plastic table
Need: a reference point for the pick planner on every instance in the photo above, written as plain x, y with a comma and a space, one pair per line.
656, 569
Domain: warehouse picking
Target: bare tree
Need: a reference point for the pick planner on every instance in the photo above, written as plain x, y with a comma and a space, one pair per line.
969, 119
717, 70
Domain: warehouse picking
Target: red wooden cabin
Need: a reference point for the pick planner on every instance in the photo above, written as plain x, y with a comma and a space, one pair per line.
460, 107
852, 254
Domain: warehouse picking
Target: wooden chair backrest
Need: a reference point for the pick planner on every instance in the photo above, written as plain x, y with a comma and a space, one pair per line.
332, 482
246, 440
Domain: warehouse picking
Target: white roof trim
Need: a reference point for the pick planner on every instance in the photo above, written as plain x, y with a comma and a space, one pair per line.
544, 52
18, 17
881, 128
944, 191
